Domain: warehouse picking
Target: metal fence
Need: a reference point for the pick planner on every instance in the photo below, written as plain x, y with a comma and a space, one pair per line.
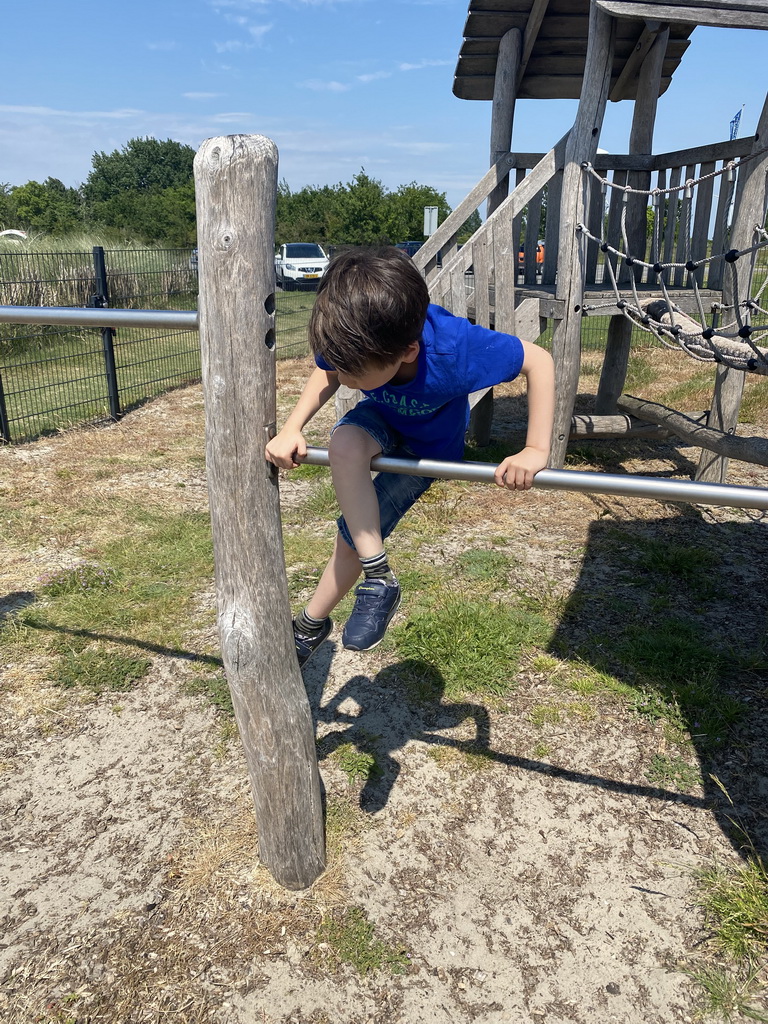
52, 377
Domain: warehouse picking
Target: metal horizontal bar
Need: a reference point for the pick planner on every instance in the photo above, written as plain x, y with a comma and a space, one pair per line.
82, 316
689, 491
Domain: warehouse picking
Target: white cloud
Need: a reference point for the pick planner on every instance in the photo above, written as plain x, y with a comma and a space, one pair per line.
317, 85
258, 32
375, 76
424, 64
229, 46
163, 44
202, 95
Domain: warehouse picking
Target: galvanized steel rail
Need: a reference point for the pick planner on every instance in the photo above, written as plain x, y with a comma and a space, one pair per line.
689, 491
82, 316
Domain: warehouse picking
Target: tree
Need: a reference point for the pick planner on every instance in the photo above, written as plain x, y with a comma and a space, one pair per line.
142, 165
146, 189
51, 206
405, 215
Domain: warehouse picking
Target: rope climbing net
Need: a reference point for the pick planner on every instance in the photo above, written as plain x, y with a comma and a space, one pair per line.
735, 343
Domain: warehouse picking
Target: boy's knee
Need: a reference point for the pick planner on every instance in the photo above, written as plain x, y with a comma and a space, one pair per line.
349, 444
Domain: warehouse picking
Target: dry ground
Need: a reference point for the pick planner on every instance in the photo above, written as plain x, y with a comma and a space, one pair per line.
516, 861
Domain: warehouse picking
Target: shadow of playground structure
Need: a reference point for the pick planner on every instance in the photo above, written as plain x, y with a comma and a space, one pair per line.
675, 608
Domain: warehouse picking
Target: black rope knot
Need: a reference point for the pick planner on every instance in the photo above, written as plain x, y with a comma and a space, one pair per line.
708, 334
629, 261
745, 331
732, 255
604, 247
658, 268
691, 265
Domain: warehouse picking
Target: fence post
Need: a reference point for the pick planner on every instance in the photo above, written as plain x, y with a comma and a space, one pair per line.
5, 427
101, 300
236, 187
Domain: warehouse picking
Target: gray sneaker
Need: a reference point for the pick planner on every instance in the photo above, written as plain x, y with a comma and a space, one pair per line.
376, 601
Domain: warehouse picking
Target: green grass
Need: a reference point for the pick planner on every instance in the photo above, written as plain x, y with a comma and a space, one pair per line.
351, 938
471, 646
674, 771
91, 618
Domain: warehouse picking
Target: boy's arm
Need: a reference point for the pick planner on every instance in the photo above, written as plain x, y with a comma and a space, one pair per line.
289, 442
517, 471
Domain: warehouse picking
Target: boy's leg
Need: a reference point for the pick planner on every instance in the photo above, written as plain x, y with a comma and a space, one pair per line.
351, 450
337, 580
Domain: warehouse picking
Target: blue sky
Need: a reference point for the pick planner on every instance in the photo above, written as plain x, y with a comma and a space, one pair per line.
337, 84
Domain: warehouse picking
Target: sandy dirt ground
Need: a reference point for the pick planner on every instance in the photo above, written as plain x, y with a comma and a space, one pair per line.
524, 869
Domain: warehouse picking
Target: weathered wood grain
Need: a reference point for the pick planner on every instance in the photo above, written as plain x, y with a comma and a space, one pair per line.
235, 182
746, 449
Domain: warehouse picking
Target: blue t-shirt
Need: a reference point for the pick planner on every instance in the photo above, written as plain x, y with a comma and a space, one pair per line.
431, 412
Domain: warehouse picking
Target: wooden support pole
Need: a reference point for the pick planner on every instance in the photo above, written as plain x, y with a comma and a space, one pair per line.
235, 183
614, 372
749, 211
581, 146
503, 110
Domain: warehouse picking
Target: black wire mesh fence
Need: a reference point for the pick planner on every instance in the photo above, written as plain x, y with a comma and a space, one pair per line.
55, 377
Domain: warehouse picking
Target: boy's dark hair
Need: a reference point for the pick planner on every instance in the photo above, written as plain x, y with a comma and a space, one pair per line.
370, 306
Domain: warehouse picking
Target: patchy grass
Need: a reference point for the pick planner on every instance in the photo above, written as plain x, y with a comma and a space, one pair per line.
349, 937
473, 647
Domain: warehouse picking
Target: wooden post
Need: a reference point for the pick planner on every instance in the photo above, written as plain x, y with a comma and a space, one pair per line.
749, 210
614, 372
503, 110
235, 182
581, 146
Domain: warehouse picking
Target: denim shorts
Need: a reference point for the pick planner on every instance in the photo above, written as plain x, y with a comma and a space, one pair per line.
395, 491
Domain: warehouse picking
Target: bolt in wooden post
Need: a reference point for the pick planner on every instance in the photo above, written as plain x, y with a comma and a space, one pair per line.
236, 185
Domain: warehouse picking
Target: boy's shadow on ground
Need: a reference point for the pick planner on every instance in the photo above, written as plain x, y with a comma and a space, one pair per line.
672, 608
376, 733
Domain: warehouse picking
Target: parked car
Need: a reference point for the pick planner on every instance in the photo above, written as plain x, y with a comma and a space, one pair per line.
299, 263
410, 247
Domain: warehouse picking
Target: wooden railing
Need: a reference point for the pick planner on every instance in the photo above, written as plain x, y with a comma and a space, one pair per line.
505, 252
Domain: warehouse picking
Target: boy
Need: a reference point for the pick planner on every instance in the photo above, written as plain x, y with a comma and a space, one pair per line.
373, 329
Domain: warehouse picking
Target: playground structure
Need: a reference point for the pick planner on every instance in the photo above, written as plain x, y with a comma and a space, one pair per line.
601, 50
236, 181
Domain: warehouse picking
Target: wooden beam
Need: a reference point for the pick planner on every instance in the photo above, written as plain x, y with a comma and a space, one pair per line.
713, 13
532, 28
635, 60
503, 110
745, 449
581, 146
235, 187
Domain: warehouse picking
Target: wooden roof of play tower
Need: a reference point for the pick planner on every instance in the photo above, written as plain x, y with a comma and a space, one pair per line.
555, 41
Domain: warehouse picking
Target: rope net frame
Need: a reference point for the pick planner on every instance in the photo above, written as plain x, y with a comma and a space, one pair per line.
734, 344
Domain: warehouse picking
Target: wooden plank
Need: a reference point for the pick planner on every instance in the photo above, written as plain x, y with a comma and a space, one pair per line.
720, 231
532, 29
552, 233
702, 217
450, 227
482, 282
530, 243
582, 146
673, 205
635, 60
235, 186
713, 13
684, 228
